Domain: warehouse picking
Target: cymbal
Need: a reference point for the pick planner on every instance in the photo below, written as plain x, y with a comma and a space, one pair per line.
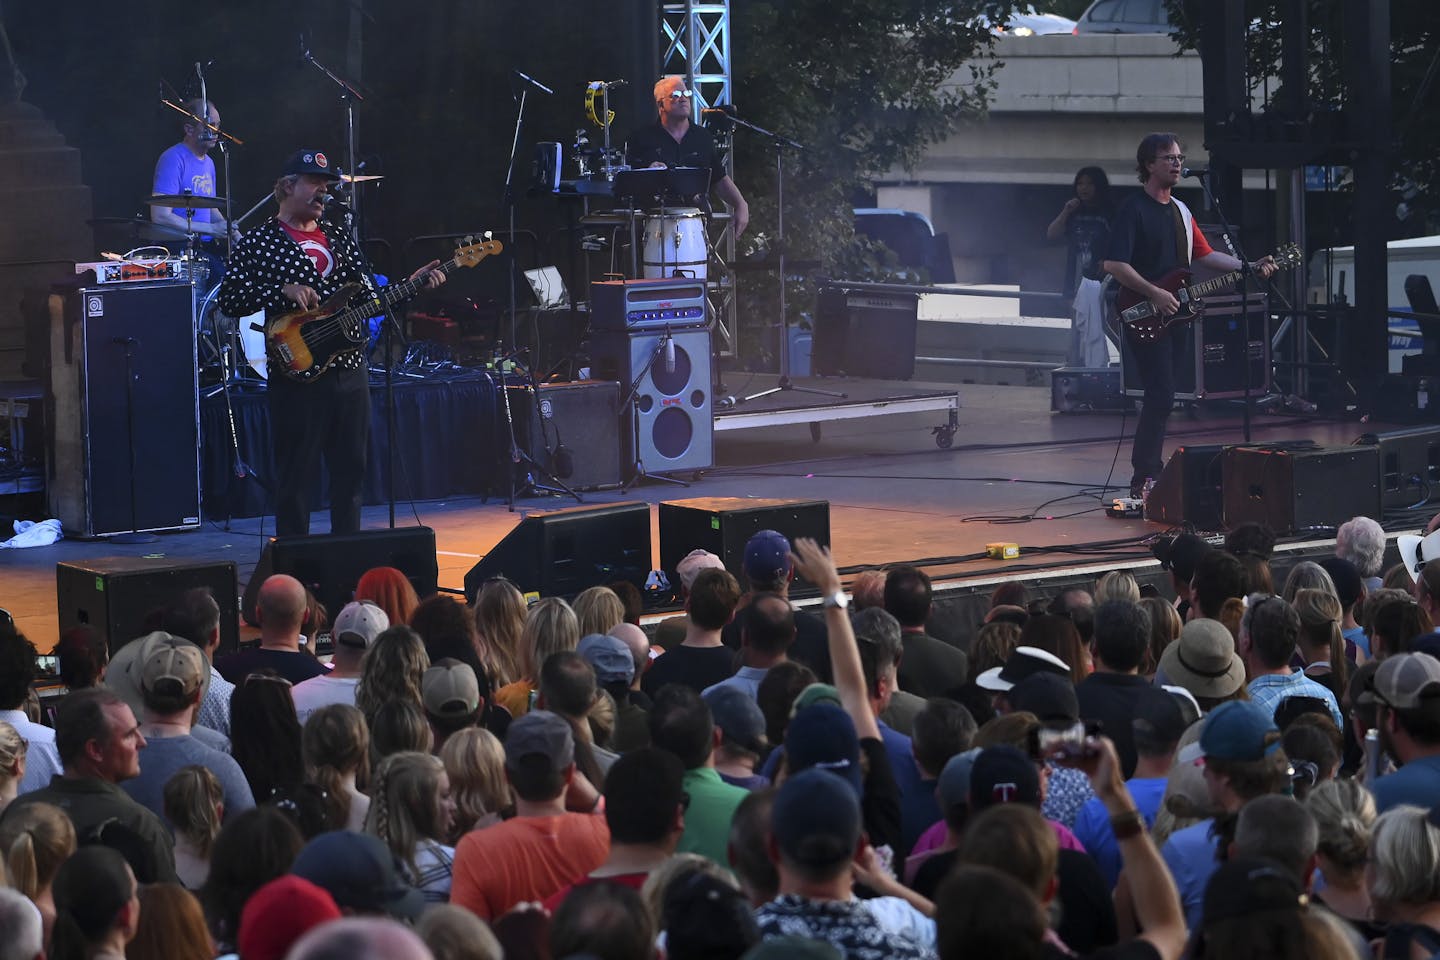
141, 226
362, 177
186, 200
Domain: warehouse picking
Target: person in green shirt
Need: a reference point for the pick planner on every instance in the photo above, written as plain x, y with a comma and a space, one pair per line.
680, 722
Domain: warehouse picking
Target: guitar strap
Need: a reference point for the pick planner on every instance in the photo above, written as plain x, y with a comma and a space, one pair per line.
1183, 243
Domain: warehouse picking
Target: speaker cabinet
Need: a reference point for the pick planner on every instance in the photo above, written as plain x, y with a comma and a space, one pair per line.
332, 564
1188, 490
116, 595
722, 525
126, 407
1300, 489
1409, 465
669, 425
562, 552
581, 418
1217, 351
865, 334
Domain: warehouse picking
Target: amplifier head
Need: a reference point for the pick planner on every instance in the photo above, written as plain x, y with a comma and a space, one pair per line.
640, 304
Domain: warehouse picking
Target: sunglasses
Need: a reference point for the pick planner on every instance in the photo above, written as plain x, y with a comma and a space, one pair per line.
680, 94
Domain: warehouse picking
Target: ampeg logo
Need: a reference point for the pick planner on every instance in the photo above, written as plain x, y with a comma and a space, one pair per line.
95, 306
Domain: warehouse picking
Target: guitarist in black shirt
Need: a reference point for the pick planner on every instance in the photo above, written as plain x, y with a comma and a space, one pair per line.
297, 260
1153, 233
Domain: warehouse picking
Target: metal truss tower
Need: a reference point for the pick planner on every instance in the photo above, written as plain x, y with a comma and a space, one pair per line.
695, 43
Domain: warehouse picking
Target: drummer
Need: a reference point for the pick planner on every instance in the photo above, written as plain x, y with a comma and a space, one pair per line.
187, 167
673, 141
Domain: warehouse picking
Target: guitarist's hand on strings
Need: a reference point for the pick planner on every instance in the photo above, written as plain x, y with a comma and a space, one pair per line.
299, 293
1163, 301
1266, 267
428, 275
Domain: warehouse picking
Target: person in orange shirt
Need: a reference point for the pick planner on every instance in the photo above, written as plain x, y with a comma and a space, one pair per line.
543, 848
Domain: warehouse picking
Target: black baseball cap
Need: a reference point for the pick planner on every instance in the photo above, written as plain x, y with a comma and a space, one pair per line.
310, 161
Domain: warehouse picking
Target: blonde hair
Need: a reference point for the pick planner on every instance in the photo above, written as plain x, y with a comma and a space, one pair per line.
454, 933
550, 627
399, 727
36, 838
602, 718
1320, 615
191, 795
1165, 627
336, 741
475, 760
679, 864
392, 669
1404, 858
598, 610
12, 748
499, 625
1117, 585
1344, 812
994, 643
404, 808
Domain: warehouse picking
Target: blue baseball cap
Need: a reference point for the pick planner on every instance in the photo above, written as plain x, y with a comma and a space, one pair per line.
767, 557
823, 735
1236, 730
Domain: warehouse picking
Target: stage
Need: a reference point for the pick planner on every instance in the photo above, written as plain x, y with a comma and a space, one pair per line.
1015, 472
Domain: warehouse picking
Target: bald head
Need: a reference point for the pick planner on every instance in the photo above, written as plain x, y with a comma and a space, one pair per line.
639, 644
360, 938
281, 604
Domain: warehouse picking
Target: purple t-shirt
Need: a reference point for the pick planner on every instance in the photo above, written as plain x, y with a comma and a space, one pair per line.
179, 170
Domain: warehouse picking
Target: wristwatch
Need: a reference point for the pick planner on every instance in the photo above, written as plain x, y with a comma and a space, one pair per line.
837, 599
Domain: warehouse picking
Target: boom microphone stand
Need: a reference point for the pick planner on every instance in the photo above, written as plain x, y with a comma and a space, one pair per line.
783, 385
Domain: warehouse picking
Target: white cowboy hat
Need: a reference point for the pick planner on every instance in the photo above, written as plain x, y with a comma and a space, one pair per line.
1416, 551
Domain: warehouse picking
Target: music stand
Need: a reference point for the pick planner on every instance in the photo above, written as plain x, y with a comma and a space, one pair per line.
636, 186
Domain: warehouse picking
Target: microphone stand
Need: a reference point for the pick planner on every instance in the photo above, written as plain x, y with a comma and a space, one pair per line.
783, 384
1245, 273
348, 96
134, 536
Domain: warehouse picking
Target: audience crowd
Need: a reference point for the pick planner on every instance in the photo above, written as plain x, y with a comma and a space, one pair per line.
1237, 772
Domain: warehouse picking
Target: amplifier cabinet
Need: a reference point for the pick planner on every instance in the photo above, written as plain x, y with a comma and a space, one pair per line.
1299, 489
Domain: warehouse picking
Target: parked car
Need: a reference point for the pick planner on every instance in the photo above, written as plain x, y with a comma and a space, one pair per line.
1028, 23
911, 236
1124, 16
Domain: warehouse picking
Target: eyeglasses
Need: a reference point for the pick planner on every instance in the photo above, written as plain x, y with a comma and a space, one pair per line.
1172, 158
680, 94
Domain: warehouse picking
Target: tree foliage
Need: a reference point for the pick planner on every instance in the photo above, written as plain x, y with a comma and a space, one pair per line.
865, 86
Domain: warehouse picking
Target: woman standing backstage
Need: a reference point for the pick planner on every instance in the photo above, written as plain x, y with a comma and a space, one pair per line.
1084, 223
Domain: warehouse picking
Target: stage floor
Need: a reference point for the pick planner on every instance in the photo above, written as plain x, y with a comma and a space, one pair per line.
1015, 472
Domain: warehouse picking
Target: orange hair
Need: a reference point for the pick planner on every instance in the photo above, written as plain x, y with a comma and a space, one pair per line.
390, 590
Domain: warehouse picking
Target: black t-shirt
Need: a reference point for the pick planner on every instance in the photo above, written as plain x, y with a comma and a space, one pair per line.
1144, 234
1087, 236
295, 666
695, 667
810, 647
653, 144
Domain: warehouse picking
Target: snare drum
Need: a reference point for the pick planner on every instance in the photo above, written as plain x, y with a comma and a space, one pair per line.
222, 331
675, 244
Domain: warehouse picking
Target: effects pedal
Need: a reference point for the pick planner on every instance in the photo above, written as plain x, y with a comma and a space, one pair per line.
1126, 508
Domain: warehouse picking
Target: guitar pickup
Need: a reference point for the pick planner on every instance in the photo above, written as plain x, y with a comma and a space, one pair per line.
282, 350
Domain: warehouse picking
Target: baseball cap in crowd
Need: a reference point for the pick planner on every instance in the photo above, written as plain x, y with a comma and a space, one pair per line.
1249, 885
1406, 680
172, 666
1204, 660
360, 872
609, 657
1235, 730
816, 819
449, 688
309, 161
1050, 696
123, 676
737, 714
540, 732
1023, 662
1161, 717
813, 694
767, 557
823, 735
278, 914
1003, 774
1349, 586
953, 787
359, 623
693, 562
1178, 554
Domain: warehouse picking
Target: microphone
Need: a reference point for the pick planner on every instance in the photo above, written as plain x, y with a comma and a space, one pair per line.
669, 352
725, 109
1192, 172
337, 201
532, 81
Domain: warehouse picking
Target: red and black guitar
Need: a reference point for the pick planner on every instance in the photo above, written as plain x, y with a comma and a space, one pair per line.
302, 344
1144, 323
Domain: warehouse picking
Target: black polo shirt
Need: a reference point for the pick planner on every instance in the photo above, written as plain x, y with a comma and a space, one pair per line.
653, 144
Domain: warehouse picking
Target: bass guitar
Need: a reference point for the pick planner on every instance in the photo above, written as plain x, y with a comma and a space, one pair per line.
303, 344
1144, 322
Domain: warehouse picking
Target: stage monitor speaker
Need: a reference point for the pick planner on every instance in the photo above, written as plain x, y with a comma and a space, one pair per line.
1215, 369
145, 332
331, 564
1189, 489
1300, 489
562, 552
722, 525
116, 595
865, 334
570, 429
670, 426
1409, 465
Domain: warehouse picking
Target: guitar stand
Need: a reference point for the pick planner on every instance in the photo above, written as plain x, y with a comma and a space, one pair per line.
637, 464
519, 457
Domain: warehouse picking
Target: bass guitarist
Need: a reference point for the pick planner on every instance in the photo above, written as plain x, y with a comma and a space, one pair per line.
1153, 233
296, 260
